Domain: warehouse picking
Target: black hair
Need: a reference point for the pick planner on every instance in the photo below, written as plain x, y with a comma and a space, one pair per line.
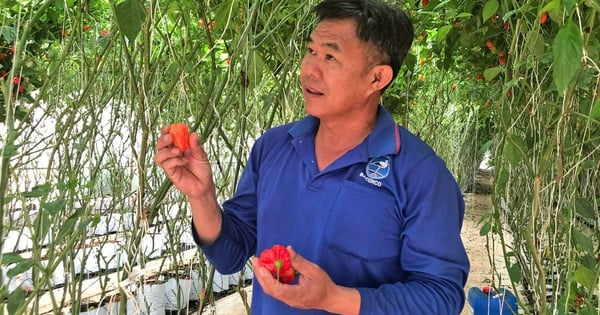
385, 27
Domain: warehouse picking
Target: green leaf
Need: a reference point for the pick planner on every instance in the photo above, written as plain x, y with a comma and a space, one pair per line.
11, 258
595, 113
535, 43
490, 73
584, 208
20, 268
589, 164
255, 69
443, 32
514, 272
552, 5
485, 229
595, 4
42, 224
131, 14
54, 207
69, 226
38, 191
516, 149
15, 300
582, 241
10, 150
464, 15
585, 277
490, 8
225, 11
486, 146
567, 50
9, 33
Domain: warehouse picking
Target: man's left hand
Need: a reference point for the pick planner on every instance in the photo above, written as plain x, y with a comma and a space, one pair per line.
314, 289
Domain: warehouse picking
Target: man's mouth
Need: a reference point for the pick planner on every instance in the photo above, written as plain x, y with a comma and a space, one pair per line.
312, 91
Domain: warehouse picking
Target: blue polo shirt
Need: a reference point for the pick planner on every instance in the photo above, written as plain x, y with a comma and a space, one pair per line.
384, 218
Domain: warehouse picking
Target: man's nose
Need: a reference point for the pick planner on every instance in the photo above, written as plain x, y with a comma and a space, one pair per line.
310, 67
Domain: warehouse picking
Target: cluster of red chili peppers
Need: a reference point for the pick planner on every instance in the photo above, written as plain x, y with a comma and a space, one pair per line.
6, 55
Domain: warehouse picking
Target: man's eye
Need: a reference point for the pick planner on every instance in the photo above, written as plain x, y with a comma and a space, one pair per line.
330, 57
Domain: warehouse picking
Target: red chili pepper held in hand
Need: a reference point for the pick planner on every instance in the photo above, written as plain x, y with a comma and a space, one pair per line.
181, 136
277, 260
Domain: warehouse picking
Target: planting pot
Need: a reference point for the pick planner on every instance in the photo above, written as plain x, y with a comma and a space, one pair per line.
196, 285
58, 277
87, 260
111, 256
92, 309
177, 293
242, 276
112, 222
11, 242
153, 245
150, 298
125, 222
220, 282
11, 283
22, 239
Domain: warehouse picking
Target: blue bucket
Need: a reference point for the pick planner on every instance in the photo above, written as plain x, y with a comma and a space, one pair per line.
490, 302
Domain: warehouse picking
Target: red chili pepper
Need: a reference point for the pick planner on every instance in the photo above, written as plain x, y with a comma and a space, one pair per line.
543, 17
181, 135
277, 260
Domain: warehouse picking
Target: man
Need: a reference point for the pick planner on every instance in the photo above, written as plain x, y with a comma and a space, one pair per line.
371, 215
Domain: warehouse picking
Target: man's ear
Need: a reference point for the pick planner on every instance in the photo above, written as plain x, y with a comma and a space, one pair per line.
381, 76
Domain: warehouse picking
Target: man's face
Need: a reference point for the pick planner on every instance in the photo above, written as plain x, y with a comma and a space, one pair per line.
334, 72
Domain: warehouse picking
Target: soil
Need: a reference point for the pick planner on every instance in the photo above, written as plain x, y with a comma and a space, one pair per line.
477, 204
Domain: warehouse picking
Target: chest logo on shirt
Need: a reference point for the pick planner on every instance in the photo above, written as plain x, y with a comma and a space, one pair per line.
378, 168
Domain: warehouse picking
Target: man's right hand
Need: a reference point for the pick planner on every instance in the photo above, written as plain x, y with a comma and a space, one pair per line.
190, 171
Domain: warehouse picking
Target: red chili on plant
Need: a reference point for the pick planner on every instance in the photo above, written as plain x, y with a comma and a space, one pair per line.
181, 136
277, 260
543, 17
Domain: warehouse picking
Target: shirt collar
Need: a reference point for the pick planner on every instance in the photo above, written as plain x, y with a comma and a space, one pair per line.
383, 140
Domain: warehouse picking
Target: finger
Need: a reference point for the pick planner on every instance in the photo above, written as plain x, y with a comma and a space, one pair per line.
165, 129
262, 275
195, 144
165, 140
168, 160
301, 264
196, 148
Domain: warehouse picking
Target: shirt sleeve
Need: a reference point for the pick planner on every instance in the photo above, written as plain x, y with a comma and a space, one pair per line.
237, 239
433, 254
